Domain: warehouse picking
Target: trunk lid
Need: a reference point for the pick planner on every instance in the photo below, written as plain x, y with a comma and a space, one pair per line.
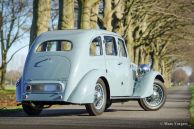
47, 67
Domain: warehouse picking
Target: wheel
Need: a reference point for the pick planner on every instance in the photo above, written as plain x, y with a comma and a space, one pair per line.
100, 97
32, 109
157, 99
108, 104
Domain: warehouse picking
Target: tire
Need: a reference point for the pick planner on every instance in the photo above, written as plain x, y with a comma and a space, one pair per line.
32, 109
108, 105
98, 106
154, 102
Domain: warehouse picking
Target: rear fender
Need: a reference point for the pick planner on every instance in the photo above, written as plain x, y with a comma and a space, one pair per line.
144, 86
18, 91
85, 90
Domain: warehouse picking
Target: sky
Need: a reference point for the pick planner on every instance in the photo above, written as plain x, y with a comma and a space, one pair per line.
188, 70
19, 58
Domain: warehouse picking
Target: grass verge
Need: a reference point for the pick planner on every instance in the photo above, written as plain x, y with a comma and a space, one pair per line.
8, 102
7, 98
191, 106
8, 90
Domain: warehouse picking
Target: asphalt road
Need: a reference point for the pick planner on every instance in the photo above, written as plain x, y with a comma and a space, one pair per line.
129, 115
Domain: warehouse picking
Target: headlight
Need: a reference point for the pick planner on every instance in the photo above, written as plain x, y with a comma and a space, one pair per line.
143, 68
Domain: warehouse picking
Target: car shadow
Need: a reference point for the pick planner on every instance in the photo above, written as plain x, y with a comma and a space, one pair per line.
44, 113
116, 110
54, 112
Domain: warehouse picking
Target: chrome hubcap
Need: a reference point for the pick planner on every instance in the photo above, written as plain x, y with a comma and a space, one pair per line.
156, 98
99, 96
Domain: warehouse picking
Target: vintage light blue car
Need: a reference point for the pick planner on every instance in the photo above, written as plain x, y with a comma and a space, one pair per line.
87, 67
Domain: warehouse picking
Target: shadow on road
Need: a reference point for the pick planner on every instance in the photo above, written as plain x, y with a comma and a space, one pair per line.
54, 112
45, 113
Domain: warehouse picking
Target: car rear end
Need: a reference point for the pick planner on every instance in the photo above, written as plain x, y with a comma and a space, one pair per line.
46, 70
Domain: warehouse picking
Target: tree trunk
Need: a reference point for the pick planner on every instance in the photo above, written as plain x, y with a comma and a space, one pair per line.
2, 81
108, 15
41, 18
167, 77
136, 56
156, 63
130, 42
129, 33
143, 56
94, 15
3, 70
87, 6
130, 50
117, 22
66, 14
85, 17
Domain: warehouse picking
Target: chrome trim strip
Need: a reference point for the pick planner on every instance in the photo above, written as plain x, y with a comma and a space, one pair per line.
125, 97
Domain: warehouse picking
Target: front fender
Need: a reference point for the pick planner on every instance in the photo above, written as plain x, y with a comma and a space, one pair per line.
84, 91
144, 86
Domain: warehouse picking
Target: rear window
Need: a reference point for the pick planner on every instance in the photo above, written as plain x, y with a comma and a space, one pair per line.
54, 45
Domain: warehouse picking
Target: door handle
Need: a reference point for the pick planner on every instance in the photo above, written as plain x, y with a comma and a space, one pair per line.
120, 63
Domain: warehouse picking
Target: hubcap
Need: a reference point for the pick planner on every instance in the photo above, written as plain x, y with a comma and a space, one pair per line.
99, 96
156, 98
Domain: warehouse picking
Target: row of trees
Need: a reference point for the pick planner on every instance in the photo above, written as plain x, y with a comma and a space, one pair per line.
160, 30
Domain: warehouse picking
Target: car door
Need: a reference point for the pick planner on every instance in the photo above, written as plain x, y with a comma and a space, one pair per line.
113, 67
125, 69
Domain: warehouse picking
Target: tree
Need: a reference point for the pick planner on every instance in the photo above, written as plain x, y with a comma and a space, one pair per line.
191, 78
180, 76
88, 13
13, 16
66, 14
152, 28
94, 15
12, 76
41, 18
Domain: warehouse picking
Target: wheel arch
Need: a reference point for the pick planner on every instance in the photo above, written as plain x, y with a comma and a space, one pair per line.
144, 85
83, 93
159, 77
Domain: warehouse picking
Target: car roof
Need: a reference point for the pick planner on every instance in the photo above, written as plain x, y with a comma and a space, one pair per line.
83, 32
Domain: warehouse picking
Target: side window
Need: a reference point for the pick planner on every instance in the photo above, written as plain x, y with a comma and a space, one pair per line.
110, 45
96, 47
122, 50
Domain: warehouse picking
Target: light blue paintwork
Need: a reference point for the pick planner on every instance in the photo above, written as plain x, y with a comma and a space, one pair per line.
144, 85
78, 72
84, 91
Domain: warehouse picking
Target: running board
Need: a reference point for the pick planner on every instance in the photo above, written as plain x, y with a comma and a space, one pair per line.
124, 98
